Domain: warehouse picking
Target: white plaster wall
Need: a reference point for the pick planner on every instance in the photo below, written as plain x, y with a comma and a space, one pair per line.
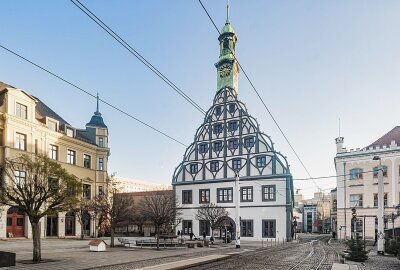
256, 210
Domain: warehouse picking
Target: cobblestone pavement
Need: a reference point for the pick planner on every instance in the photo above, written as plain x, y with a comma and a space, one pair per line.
377, 262
312, 252
374, 262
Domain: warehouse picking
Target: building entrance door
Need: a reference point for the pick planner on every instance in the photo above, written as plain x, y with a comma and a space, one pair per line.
15, 223
52, 226
69, 224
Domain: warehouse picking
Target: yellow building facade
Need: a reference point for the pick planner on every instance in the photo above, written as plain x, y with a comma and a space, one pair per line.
28, 126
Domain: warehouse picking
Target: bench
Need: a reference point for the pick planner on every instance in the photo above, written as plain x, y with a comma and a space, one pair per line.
195, 244
152, 242
191, 244
125, 242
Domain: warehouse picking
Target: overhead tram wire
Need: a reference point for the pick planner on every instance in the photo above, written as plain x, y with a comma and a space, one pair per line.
92, 95
262, 101
135, 53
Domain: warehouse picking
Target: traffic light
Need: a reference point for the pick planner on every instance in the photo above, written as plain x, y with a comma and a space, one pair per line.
354, 213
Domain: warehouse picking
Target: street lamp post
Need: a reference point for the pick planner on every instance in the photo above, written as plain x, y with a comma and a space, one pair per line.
393, 216
381, 239
237, 210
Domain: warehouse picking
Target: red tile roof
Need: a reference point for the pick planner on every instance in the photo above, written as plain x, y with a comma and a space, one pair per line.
96, 242
393, 135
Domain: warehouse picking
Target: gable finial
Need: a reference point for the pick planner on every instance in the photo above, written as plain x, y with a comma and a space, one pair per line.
227, 11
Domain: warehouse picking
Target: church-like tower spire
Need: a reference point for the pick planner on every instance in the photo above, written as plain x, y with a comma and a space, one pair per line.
97, 120
227, 67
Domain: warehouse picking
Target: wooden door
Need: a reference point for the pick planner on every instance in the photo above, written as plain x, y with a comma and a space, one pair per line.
15, 225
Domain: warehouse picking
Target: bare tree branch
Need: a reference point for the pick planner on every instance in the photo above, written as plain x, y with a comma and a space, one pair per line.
38, 186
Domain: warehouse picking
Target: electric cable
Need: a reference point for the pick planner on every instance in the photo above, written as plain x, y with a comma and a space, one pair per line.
92, 95
135, 53
262, 101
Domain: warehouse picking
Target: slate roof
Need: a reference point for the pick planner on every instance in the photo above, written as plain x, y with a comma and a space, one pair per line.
393, 135
96, 121
4, 86
42, 110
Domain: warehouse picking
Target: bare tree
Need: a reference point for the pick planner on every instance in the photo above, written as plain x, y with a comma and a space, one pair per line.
39, 187
113, 206
139, 218
81, 211
161, 208
213, 214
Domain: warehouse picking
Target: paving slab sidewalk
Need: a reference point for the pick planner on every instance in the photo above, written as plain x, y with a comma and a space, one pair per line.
73, 254
186, 263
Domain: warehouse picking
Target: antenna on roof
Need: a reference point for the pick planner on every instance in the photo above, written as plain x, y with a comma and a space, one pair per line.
339, 127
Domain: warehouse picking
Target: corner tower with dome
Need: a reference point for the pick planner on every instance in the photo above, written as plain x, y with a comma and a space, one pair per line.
229, 141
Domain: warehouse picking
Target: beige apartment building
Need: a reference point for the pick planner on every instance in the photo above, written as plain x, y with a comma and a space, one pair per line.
315, 212
27, 125
357, 185
127, 185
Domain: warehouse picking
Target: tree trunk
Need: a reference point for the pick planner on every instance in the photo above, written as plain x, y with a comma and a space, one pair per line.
158, 236
37, 252
112, 234
82, 230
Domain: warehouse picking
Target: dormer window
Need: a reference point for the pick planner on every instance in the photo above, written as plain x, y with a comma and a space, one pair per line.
21, 111
52, 125
69, 132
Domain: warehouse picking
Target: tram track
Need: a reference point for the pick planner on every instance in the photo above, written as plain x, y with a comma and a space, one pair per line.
311, 254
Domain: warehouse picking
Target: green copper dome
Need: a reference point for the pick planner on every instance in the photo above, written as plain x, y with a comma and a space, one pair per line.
227, 28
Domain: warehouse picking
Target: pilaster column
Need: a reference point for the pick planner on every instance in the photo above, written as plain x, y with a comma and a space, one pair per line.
61, 225
394, 183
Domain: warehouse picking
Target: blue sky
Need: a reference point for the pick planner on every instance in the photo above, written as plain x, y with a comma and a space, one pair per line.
312, 61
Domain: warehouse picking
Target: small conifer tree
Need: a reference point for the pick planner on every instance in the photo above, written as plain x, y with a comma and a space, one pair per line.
356, 250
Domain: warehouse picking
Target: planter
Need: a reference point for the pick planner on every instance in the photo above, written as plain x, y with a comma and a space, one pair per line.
7, 259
